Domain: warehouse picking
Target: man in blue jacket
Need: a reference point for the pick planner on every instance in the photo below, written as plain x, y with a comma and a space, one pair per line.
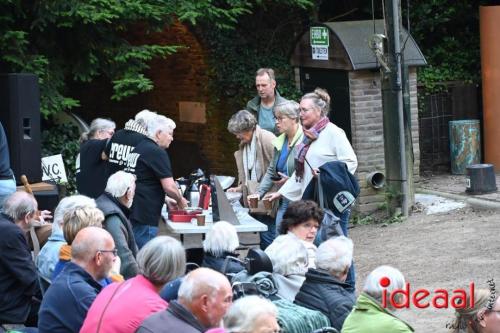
66, 302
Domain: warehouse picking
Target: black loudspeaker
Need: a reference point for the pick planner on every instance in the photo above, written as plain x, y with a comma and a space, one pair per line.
20, 116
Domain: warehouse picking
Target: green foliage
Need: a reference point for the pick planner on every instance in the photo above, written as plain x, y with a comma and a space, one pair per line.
64, 41
63, 139
448, 34
263, 39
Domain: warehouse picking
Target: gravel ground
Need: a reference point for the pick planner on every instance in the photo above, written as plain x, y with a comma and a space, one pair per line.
447, 250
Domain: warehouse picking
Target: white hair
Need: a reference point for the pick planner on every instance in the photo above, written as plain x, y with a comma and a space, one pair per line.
67, 204
246, 312
144, 117
199, 282
221, 238
119, 183
159, 123
335, 255
288, 255
372, 283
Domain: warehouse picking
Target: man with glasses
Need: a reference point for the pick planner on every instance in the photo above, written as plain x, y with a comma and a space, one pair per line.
262, 105
68, 299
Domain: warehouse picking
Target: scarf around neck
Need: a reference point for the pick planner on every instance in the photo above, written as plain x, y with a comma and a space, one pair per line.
310, 135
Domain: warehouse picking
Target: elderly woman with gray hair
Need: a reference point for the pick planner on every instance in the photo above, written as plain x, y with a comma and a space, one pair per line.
252, 160
220, 242
325, 289
92, 169
121, 307
115, 203
368, 314
251, 314
282, 166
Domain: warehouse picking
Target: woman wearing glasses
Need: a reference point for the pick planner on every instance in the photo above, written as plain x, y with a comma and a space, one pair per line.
282, 166
323, 142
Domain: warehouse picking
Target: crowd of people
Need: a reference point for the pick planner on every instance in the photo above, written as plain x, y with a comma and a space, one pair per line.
104, 267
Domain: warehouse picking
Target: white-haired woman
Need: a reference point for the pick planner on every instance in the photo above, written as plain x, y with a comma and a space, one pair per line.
482, 317
368, 314
115, 203
325, 289
221, 241
92, 169
290, 260
121, 307
252, 160
252, 314
49, 254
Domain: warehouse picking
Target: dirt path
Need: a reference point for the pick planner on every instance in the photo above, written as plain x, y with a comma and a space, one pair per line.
433, 251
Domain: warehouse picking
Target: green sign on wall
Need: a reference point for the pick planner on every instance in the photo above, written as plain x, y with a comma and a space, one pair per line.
320, 36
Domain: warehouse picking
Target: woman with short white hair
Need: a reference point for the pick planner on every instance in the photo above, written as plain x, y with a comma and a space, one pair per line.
369, 315
115, 203
220, 242
251, 314
325, 289
290, 261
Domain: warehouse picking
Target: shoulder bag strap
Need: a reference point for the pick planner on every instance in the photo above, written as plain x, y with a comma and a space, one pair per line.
106, 307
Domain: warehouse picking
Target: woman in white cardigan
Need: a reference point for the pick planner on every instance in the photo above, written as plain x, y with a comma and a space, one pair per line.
323, 142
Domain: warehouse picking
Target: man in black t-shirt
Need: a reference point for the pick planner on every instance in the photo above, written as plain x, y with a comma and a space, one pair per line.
149, 161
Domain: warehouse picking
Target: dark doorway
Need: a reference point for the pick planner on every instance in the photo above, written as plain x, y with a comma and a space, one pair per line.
336, 82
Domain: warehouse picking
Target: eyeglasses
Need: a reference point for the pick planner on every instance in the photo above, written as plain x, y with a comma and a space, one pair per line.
497, 311
279, 119
114, 251
303, 110
310, 226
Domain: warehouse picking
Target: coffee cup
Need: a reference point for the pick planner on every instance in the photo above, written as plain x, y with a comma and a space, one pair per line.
200, 218
253, 202
268, 205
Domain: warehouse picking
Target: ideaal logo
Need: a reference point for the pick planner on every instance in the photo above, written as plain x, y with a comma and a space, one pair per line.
423, 298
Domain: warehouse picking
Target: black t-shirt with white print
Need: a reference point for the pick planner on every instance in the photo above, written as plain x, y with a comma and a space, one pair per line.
150, 164
120, 146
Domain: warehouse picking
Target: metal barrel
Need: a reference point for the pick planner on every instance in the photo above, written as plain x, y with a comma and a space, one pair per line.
465, 144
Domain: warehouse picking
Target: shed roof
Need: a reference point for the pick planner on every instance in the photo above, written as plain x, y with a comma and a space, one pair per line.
349, 48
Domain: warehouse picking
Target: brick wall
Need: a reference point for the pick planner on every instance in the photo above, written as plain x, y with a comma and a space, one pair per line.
367, 132
182, 76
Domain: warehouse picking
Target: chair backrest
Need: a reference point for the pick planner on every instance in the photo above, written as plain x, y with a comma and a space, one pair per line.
258, 261
195, 255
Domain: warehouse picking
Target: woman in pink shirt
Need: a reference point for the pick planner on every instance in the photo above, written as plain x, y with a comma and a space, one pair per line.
121, 307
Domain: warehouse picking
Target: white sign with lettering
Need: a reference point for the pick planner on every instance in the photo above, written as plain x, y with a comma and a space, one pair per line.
53, 169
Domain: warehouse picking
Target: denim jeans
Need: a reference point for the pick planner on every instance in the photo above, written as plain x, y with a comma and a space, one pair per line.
143, 233
279, 214
266, 237
344, 223
7, 187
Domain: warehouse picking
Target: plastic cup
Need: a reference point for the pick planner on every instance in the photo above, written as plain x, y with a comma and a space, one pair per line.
200, 219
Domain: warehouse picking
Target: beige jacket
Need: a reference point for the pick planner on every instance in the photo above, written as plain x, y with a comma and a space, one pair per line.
265, 150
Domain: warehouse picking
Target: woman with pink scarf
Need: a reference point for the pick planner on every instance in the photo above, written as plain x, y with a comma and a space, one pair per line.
323, 142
